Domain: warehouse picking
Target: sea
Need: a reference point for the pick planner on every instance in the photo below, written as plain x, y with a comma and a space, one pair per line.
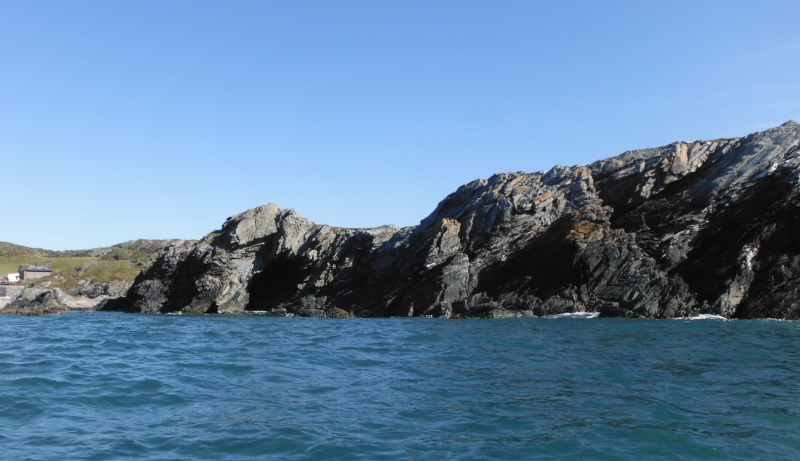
101, 386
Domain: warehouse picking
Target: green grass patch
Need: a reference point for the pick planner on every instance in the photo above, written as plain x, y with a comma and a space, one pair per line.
10, 250
70, 267
108, 271
64, 264
92, 269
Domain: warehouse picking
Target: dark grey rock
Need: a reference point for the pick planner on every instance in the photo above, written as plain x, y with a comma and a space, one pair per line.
689, 228
111, 289
35, 302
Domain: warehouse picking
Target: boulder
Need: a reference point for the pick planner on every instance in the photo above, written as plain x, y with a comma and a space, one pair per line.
34, 302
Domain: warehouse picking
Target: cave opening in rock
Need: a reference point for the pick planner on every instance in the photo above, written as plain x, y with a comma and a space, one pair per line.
275, 284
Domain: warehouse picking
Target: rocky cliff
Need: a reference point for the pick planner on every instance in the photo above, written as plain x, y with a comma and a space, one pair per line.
689, 228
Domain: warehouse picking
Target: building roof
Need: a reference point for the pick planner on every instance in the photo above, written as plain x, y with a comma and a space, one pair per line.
35, 268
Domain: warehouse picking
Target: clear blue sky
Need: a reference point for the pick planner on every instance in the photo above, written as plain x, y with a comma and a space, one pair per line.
159, 119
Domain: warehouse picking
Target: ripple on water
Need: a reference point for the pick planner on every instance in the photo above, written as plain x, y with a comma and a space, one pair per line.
105, 386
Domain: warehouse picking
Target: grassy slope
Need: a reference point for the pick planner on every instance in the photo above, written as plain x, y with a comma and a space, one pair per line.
9, 249
73, 266
61, 264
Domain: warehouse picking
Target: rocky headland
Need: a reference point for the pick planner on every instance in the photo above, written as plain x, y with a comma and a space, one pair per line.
108, 275
704, 227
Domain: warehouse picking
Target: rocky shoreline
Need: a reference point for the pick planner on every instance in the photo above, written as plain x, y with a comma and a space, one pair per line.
704, 227
36, 301
72, 292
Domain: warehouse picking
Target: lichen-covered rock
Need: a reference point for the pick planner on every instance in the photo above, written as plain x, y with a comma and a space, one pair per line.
35, 302
689, 228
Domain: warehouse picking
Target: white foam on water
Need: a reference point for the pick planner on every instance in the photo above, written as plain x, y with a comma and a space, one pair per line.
270, 313
574, 315
703, 317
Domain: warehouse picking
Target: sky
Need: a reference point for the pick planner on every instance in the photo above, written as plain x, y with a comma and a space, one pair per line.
159, 119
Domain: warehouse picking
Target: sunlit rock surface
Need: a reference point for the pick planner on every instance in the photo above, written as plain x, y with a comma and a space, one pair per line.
693, 227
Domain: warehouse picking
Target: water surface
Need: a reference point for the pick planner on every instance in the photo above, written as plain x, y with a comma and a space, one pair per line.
109, 386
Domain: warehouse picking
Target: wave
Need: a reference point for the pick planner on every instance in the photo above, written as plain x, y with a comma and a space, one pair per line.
574, 315
703, 317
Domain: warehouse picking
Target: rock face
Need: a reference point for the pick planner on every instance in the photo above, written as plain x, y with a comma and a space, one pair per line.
688, 228
37, 302
111, 289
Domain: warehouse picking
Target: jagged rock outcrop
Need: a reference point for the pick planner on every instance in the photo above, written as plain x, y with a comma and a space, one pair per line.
688, 228
111, 289
33, 302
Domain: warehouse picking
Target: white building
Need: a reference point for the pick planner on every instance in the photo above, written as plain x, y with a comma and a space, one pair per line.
13, 277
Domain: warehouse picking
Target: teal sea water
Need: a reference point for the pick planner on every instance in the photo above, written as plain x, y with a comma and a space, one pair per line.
114, 386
